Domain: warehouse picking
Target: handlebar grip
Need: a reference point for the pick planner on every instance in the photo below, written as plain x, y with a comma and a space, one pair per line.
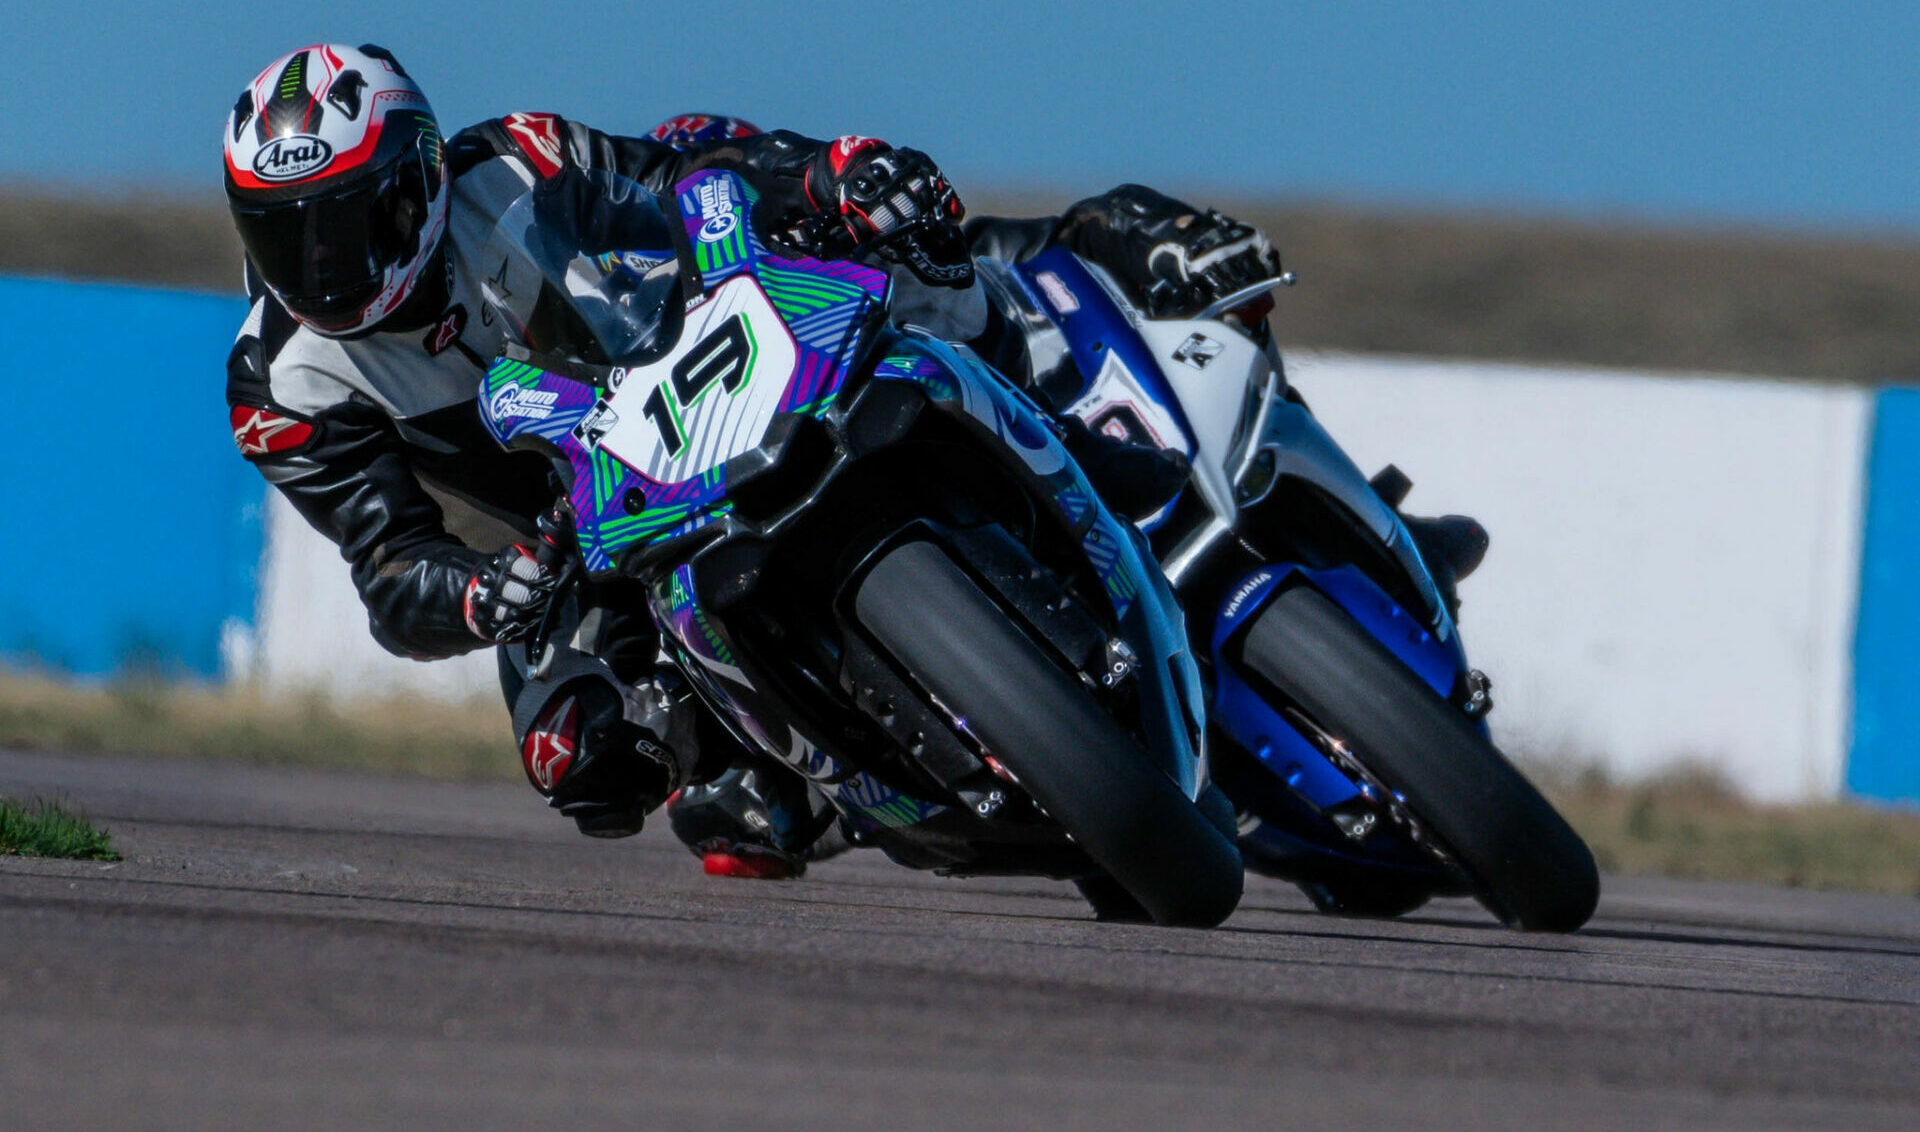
556, 539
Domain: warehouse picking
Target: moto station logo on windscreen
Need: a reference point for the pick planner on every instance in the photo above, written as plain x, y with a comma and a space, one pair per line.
290, 158
717, 217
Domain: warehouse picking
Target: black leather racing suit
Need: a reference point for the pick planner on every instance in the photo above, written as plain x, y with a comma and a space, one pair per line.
376, 439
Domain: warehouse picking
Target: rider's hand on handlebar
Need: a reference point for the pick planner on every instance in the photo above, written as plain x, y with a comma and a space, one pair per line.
1174, 259
868, 195
1212, 257
508, 594
935, 251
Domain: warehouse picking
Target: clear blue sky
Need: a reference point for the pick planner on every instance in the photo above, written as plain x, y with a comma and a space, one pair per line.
1762, 111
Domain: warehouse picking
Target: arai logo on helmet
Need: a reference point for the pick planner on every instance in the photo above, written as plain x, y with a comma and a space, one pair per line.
285, 159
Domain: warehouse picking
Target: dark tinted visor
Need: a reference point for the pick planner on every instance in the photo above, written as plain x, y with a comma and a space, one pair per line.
327, 256
337, 311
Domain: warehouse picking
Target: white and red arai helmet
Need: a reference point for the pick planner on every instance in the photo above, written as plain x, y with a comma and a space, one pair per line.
338, 183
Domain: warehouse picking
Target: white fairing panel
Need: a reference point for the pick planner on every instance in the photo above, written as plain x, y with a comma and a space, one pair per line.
1211, 368
710, 399
1115, 390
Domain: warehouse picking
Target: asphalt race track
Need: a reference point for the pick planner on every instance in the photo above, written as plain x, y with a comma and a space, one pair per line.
285, 949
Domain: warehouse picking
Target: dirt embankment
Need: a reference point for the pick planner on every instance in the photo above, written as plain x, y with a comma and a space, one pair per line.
1399, 282
173, 242
1742, 302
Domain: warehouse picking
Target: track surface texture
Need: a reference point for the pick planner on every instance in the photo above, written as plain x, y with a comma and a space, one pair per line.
302, 950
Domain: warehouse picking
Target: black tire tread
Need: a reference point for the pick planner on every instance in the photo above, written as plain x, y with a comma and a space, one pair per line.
1043, 724
1533, 870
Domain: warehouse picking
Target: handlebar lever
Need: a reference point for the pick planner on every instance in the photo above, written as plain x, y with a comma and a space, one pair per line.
556, 549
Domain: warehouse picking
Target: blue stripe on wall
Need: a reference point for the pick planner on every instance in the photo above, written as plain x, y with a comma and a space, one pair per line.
133, 526
1885, 761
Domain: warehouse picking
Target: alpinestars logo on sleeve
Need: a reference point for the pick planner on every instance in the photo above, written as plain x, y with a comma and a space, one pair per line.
845, 148
263, 432
447, 332
538, 136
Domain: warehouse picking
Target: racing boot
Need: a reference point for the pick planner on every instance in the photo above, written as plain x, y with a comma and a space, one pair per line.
757, 820
591, 752
1453, 547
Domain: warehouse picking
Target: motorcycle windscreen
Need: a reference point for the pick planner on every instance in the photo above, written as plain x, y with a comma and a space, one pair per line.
582, 266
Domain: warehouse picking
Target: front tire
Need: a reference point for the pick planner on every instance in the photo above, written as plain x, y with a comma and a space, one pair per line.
1526, 864
1045, 726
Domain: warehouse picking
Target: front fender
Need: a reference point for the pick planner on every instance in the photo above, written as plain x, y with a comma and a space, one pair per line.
1244, 713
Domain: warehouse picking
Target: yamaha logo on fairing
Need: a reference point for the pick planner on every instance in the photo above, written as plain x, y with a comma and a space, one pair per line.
1057, 293
284, 159
1247, 589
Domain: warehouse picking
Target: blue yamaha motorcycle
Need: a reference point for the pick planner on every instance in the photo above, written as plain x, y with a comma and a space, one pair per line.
864, 548
1347, 727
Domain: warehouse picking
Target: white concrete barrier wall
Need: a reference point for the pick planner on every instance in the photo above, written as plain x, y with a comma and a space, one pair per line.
1674, 561
313, 630
1672, 576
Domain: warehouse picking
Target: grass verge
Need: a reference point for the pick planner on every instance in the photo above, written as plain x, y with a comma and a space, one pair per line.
1690, 822
42, 829
407, 736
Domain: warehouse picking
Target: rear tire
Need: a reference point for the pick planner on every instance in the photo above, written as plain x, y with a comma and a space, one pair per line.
1527, 865
1045, 726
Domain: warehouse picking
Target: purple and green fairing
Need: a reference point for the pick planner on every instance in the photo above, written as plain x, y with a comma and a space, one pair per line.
871, 803
687, 619
958, 378
826, 307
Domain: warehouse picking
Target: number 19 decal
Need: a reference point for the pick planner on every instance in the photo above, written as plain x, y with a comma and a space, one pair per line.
724, 356
713, 395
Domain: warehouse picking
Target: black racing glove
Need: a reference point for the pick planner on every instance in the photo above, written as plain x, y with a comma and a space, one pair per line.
508, 594
1172, 258
867, 195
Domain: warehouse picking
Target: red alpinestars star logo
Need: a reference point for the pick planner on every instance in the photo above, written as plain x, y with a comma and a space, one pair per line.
448, 332
262, 432
844, 149
550, 745
538, 136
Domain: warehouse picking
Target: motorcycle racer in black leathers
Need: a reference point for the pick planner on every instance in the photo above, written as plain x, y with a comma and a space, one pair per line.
352, 383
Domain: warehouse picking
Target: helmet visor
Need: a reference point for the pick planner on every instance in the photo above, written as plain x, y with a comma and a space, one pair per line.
327, 256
